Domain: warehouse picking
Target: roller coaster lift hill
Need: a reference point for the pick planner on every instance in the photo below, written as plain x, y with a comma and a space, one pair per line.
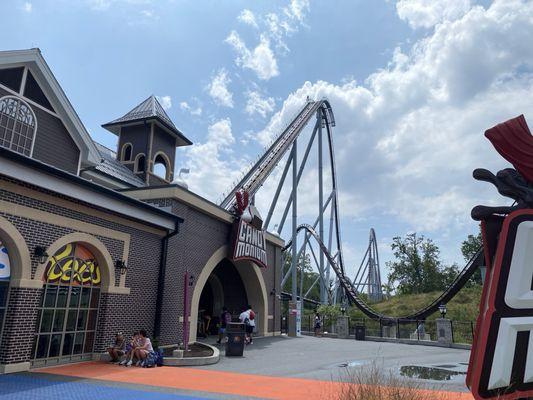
499, 366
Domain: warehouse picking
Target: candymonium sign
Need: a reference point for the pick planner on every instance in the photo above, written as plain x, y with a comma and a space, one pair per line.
501, 361
249, 243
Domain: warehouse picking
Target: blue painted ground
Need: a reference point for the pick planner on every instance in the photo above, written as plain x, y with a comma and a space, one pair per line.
22, 387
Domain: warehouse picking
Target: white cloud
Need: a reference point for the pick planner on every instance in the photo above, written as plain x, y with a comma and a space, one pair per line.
247, 17
27, 7
184, 106
257, 104
212, 165
428, 13
218, 89
165, 101
104, 5
261, 59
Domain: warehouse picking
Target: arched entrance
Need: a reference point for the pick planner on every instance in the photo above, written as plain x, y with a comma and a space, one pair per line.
68, 310
234, 285
224, 287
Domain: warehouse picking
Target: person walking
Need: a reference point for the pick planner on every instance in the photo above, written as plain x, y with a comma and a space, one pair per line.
248, 318
225, 318
318, 324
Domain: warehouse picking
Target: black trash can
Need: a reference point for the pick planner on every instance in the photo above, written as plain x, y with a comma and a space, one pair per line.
236, 338
360, 332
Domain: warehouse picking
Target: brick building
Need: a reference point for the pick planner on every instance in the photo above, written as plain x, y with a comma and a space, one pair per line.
94, 241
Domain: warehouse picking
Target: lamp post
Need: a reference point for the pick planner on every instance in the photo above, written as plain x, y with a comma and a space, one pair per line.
442, 309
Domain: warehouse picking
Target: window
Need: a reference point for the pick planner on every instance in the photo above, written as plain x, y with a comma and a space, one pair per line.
161, 166
33, 92
17, 125
126, 152
68, 311
12, 77
140, 164
5, 275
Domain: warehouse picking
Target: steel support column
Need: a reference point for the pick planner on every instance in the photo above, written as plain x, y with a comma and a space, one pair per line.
323, 298
294, 260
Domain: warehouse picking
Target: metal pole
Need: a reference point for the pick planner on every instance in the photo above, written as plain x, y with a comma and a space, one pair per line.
323, 299
294, 219
186, 310
278, 191
300, 172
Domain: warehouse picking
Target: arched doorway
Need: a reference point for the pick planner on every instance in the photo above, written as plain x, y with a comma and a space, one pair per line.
68, 310
224, 287
220, 279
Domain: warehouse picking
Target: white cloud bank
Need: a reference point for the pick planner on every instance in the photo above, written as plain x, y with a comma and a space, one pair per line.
257, 104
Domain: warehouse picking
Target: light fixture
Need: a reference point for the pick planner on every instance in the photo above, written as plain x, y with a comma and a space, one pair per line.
442, 309
40, 253
343, 310
121, 266
191, 280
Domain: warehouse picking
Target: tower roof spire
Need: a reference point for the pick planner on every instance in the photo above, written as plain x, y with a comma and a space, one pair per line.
147, 110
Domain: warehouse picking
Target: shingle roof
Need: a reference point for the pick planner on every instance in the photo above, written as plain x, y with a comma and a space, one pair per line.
114, 168
149, 108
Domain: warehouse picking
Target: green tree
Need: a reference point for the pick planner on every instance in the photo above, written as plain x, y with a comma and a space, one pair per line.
469, 248
304, 264
417, 267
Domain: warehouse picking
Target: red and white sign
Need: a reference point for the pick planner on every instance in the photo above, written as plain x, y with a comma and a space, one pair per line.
249, 243
501, 361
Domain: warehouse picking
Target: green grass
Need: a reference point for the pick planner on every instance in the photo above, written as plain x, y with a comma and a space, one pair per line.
463, 307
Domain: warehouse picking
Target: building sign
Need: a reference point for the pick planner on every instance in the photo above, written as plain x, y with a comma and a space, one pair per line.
249, 243
501, 360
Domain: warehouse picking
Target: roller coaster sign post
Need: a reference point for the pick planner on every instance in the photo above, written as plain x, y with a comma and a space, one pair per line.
501, 361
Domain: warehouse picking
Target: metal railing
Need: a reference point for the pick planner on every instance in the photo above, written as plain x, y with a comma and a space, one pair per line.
401, 329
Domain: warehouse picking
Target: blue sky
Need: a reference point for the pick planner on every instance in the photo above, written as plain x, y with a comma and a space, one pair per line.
413, 83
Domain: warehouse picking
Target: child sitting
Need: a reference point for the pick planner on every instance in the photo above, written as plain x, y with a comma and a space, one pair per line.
117, 349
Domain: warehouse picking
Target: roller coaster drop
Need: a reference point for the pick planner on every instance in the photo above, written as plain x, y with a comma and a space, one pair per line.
330, 256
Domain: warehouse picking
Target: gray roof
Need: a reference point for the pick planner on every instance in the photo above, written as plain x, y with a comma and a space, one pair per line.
149, 108
114, 168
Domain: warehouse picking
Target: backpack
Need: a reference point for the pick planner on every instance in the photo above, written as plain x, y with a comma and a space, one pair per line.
159, 358
252, 315
151, 360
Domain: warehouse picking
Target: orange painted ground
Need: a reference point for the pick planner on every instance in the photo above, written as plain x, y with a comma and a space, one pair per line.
261, 386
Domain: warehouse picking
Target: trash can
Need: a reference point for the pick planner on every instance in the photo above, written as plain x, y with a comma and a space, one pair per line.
236, 338
360, 332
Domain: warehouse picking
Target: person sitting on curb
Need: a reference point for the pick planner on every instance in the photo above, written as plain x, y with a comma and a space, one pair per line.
144, 348
130, 349
116, 351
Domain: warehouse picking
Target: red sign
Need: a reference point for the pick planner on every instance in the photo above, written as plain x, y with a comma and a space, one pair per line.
501, 361
249, 243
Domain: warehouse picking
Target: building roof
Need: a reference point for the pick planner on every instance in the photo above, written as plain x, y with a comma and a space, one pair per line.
33, 59
148, 109
115, 169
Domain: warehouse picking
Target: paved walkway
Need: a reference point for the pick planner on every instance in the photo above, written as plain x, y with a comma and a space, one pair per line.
273, 368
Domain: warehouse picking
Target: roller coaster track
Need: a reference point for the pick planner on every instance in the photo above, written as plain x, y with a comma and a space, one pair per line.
461, 279
261, 170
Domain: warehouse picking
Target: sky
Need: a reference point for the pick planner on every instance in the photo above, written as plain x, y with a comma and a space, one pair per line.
413, 85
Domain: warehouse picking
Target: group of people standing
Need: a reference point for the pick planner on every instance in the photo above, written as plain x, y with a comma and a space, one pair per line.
136, 350
246, 317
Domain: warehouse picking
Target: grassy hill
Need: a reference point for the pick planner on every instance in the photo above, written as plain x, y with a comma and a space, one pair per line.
463, 307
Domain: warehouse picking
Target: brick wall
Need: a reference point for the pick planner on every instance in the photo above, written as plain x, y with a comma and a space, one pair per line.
117, 312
